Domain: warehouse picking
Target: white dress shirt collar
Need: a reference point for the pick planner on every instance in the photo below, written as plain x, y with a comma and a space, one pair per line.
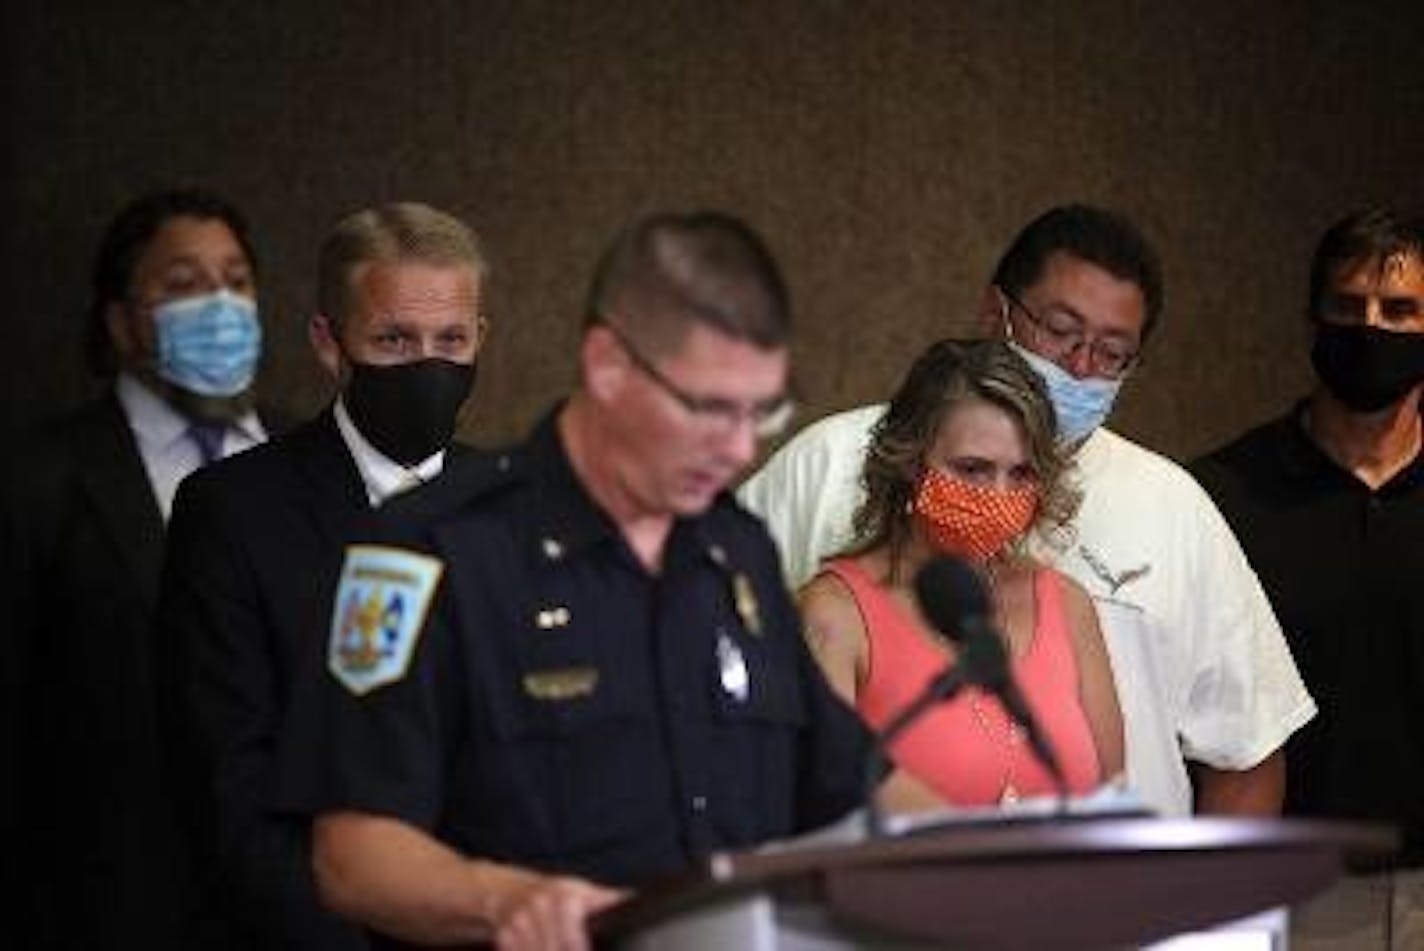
162, 436
382, 476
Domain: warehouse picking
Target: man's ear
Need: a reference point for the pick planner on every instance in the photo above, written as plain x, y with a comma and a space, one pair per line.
602, 363
993, 313
327, 348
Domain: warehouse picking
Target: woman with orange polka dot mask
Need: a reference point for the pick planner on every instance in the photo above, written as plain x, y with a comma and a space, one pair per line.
965, 463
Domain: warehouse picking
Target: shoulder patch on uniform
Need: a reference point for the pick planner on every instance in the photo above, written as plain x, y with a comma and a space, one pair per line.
381, 605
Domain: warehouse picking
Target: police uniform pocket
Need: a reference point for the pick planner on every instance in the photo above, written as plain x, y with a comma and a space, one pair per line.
571, 739
563, 688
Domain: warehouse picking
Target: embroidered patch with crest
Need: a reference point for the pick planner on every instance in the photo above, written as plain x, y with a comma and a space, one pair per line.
381, 604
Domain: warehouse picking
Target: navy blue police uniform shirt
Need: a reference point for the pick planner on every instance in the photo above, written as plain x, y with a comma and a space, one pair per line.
508, 677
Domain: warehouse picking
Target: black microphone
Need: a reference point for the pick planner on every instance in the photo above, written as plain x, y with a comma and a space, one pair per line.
977, 659
954, 600
948, 601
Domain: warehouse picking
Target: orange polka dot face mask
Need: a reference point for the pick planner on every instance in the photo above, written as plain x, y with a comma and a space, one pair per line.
972, 521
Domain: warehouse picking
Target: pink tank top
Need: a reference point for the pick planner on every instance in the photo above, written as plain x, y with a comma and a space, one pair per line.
966, 749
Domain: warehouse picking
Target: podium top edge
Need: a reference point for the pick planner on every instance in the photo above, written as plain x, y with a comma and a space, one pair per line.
1042, 837
1018, 840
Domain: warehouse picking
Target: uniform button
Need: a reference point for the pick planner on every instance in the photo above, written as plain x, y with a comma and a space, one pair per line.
699, 803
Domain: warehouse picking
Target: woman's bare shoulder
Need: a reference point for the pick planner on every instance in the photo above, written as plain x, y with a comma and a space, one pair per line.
827, 599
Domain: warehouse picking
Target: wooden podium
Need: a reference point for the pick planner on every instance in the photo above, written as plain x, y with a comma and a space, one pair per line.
1059, 883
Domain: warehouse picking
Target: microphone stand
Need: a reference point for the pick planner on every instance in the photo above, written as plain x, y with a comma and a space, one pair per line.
1006, 689
945, 685
982, 662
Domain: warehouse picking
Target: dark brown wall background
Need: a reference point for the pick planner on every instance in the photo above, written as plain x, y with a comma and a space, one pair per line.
887, 151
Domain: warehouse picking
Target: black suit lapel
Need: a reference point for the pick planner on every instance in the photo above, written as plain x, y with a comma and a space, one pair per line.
114, 477
336, 495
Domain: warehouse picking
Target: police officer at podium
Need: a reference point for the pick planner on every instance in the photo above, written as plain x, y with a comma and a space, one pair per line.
586, 672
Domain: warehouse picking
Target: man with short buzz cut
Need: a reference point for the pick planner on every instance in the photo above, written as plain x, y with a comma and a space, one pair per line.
587, 673
175, 336
1202, 670
1328, 501
256, 543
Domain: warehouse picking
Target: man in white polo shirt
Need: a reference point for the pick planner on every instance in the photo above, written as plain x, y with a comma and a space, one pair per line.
1203, 672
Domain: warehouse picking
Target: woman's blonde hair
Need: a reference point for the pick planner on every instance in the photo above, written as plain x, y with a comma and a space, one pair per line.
948, 374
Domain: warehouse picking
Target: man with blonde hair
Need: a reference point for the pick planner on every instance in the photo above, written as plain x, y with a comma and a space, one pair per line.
256, 545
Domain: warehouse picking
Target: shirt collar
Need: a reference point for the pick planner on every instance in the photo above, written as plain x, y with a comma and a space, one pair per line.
1092, 454
1302, 458
570, 520
157, 425
382, 476
568, 517
1299, 456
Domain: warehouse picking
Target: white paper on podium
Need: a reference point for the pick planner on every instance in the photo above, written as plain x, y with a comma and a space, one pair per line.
1106, 801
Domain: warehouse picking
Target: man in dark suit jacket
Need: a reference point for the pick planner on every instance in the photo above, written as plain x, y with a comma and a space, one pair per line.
81, 534
256, 546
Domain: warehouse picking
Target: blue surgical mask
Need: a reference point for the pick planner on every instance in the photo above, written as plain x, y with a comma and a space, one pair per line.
1080, 405
209, 344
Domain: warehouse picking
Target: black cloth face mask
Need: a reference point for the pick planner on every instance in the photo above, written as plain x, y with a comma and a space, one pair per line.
407, 410
1367, 368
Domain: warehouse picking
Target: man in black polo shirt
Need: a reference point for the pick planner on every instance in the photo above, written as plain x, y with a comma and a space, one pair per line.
1328, 503
589, 674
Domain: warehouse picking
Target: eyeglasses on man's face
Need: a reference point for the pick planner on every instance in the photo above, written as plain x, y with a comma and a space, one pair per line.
715, 414
1060, 335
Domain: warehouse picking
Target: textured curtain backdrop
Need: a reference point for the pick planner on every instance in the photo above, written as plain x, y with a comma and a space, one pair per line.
887, 151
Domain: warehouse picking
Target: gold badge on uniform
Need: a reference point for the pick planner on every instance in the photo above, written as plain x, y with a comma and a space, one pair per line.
745, 599
560, 683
